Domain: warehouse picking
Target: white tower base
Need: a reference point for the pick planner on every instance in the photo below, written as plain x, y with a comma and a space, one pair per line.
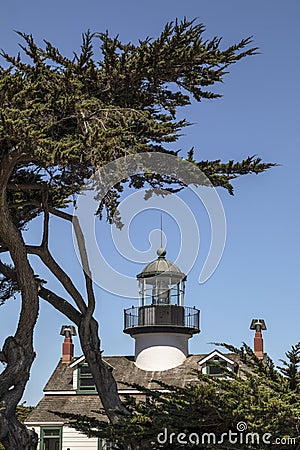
160, 351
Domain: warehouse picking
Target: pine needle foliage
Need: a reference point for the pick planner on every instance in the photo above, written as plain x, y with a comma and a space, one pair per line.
265, 398
70, 116
61, 119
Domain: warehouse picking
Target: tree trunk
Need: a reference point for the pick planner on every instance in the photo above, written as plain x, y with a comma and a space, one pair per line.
17, 352
17, 436
13, 434
90, 343
105, 383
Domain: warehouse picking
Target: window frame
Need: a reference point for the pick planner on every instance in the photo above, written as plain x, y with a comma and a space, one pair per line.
42, 437
82, 389
217, 365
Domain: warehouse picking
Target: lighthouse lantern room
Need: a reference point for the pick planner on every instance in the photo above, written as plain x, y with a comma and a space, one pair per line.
161, 325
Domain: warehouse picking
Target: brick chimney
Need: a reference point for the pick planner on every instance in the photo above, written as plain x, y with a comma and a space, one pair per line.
68, 347
258, 325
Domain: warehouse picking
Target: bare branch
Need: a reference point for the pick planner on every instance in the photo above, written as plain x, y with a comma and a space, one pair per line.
86, 268
60, 304
60, 274
55, 300
54, 211
61, 214
45, 238
43, 252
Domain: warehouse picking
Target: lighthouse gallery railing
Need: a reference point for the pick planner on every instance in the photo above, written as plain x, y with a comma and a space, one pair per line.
163, 315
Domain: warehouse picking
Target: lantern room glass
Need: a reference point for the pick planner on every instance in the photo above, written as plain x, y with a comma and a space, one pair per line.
161, 290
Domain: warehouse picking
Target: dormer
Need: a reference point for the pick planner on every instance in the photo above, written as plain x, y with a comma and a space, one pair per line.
83, 381
216, 364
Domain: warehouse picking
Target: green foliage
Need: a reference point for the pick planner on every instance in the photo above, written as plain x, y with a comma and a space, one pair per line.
61, 119
266, 399
67, 117
23, 412
290, 369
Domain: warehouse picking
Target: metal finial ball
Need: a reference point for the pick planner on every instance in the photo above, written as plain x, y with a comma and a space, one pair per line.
161, 252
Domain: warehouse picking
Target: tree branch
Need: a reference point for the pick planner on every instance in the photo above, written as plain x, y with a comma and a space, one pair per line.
86, 268
60, 274
83, 257
61, 214
8, 272
61, 304
45, 238
27, 187
88, 334
55, 300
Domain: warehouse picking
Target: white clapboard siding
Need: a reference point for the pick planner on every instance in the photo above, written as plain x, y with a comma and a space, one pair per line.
75, 378
77, 441
71, 439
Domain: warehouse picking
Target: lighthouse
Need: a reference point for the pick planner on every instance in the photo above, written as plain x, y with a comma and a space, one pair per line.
161, 325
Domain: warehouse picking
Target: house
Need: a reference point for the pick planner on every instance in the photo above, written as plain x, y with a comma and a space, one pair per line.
161, 326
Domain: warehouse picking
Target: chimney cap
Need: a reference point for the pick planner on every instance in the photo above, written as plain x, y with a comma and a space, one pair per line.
258, 323
68, 330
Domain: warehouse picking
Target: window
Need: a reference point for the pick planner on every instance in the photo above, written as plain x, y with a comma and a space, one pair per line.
86, 383
216, 366
51, 438
161, 293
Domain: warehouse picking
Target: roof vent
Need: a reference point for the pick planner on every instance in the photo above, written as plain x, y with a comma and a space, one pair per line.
68, 331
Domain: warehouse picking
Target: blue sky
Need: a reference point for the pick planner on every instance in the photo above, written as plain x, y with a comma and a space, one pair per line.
259, 274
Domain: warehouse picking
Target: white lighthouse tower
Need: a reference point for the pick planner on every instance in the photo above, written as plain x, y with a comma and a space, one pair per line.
161, 325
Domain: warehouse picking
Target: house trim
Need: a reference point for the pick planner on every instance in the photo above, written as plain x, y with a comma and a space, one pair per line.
136, 391
59, 392
41, 424
85, 376
215, 353
82, 359
42, 437
120, 391
78, 361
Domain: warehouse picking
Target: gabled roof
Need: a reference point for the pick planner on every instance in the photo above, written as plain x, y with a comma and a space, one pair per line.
61, 379
212, 355
76, 404
124, 371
